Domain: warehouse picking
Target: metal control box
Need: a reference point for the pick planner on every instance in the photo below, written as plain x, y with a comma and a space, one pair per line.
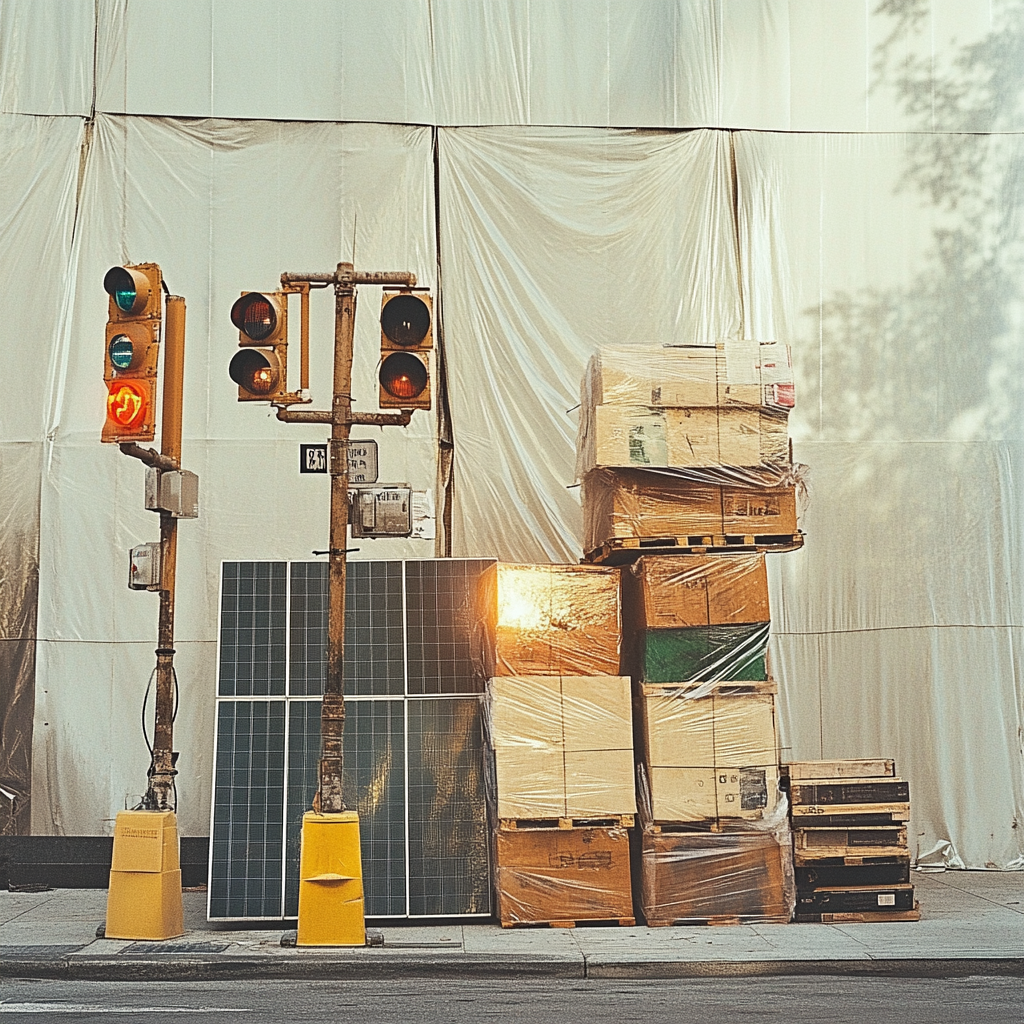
144, 567
175, 492
382, 511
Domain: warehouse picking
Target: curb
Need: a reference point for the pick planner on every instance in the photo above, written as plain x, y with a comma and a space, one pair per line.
362, 967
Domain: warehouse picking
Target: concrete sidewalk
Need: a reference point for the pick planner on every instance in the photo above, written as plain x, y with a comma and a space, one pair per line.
972, 923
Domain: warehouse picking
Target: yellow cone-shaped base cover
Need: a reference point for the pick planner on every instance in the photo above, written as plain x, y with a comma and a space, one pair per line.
331, 881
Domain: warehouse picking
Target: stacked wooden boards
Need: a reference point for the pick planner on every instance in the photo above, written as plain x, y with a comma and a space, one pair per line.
559, 748
852, 861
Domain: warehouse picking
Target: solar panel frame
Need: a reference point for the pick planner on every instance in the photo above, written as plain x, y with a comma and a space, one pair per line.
447, 644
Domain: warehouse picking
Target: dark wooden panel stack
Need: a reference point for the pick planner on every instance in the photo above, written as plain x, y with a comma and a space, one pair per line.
851, 857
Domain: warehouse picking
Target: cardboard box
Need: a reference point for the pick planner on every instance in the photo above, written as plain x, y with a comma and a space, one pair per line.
697, 438
553, 875
530, 783
703, 795
709, 758
599, 783
688, 376
632, 503
562, 746
702, 877
718, 730
556, 620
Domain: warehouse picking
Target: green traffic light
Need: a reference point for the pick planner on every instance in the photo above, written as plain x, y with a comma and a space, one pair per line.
125, 299
121, 349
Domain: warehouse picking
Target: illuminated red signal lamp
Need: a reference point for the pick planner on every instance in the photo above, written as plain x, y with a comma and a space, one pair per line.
404, 377
127, 404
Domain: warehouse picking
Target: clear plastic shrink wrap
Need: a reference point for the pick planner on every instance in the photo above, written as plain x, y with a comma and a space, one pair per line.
688, 407
743, 877
696, 617
556, 620
688, 442
552, 875
559, 747
709, 755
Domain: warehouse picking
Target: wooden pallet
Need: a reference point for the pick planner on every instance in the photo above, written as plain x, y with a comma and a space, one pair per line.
624, 550
879, 917
607, 821
624, 922
721, 920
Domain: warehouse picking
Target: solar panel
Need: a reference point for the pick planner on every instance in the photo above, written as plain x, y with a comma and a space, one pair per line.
417, 649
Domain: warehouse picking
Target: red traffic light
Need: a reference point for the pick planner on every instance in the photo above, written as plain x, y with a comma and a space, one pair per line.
403, 376
127, 404
255, 316
257, 372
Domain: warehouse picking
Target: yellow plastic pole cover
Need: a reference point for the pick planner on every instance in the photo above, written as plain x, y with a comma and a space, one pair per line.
144, 898
331, 881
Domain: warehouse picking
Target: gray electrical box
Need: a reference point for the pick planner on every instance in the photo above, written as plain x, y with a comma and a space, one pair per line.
144, 567
175, 492
381, 511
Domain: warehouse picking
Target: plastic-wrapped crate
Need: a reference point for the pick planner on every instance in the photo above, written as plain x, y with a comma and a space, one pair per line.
557, 620
717, 877
710, 754
560, 876
559, 747
621, 505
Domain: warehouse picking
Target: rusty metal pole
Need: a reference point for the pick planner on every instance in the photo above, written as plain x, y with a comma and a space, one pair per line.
163, 771
332, 715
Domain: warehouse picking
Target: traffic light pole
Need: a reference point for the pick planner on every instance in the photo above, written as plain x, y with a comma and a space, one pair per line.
162, 769
330, 796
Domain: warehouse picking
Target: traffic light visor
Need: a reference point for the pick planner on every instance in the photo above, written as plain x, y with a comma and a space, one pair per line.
255, 316
256, 371
403, 375
128, 288
405, 320
127, 403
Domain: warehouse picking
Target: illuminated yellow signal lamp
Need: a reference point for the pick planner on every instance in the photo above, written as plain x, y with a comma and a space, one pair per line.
132, 351
406, 339
259, 368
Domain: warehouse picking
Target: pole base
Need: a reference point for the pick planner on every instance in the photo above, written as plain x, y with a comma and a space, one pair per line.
330, 881
144, 898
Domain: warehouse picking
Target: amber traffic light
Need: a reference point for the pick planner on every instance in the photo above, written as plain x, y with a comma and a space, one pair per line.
406, 338
260, 367
131, 352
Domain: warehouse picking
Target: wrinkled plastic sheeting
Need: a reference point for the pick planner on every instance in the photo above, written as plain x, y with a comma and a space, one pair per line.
557, 242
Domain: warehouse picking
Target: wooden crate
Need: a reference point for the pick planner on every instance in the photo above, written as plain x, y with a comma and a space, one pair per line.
715, 878
861, 899
838, 873
814, 844
562, 876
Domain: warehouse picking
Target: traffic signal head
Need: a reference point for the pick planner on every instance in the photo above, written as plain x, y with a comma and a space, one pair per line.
132, 351
260, 367
406, 338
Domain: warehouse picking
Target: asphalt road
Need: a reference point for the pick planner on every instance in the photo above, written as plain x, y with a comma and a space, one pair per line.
702, 1001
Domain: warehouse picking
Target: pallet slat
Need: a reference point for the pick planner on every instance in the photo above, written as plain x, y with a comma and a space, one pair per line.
623, 550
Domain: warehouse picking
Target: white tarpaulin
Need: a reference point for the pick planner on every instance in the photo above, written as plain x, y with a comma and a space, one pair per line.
558, 208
